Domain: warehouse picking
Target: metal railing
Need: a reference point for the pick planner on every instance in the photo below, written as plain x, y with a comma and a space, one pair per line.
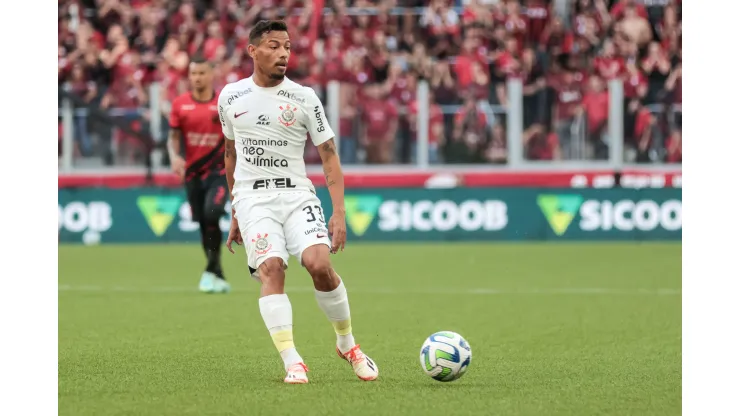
512, 114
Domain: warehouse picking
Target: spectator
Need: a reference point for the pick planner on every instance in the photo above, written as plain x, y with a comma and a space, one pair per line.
569, 93
497, 152
111, 50
436, 130
533, 89
596, 106
657, 67
636, 26
540, 144
469, 135
381, 125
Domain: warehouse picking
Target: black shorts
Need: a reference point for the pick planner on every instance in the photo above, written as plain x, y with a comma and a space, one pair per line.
207, 197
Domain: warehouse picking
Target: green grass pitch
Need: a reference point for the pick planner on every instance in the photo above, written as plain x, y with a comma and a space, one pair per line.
555, 329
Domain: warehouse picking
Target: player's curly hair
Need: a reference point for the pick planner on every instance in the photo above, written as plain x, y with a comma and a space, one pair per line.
266, 26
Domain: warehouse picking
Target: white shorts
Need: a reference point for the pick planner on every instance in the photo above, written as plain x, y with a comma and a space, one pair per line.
280, 225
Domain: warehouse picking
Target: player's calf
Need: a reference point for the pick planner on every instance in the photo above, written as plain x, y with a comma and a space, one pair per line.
277, 313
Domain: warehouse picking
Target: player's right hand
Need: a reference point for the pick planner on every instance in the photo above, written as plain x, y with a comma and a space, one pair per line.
178, 166
235, 235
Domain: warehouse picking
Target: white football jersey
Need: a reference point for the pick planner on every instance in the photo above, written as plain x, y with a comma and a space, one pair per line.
270, 127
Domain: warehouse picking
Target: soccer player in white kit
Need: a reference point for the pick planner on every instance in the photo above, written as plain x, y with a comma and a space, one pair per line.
275, 209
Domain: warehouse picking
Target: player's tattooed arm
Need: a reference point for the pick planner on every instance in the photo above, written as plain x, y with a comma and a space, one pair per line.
328, 151
335, 182
332, 172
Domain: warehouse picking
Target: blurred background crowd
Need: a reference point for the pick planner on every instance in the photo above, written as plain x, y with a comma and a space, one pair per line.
564, 51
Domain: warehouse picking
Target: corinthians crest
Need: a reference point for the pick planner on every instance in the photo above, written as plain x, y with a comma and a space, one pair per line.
261, 245
287, 117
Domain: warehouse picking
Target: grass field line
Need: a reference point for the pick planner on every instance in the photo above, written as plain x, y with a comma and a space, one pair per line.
392, 291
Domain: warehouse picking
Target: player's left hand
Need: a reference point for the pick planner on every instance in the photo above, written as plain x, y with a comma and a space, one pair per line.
338, 231
235, 235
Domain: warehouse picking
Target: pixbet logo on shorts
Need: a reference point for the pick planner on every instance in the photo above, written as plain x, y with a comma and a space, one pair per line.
624, 215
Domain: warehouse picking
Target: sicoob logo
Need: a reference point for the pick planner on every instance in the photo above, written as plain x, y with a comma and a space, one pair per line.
159, 211
361, 210
559, 210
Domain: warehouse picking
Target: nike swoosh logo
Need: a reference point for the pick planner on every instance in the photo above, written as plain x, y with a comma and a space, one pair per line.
320, 236
236, 115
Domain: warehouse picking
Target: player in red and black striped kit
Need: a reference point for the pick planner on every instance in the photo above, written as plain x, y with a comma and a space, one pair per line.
196, 129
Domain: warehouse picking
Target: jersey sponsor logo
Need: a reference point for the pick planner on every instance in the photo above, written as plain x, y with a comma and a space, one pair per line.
264, 162
319, 120
264, 142
263, 120
237, 115
203, 139
283, 93
319, 231
261, 245
275, 183
187, 107
221, 115
624, 215
237, 94
287, 117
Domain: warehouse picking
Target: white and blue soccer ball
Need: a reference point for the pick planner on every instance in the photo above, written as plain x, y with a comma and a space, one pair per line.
445, 356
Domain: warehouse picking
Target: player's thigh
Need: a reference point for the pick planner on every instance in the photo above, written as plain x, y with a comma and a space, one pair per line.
215, 199
306, 225
262, 232
196, 195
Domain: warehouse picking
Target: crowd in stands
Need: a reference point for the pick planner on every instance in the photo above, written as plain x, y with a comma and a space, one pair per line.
565, 52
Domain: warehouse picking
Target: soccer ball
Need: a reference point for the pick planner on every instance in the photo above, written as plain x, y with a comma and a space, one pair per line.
445, 356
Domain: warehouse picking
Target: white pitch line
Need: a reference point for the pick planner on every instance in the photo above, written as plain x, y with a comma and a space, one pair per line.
390, 291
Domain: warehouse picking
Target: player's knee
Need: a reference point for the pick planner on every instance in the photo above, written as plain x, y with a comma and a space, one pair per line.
272, 269
318, 266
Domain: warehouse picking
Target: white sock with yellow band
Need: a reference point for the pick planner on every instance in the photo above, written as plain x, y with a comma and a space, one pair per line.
335, 305
278, 316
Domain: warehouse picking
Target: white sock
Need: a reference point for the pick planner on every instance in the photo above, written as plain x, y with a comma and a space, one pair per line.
278, 316
336, 307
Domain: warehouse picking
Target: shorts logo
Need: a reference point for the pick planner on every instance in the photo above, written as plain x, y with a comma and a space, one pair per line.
261, 246
287, 117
